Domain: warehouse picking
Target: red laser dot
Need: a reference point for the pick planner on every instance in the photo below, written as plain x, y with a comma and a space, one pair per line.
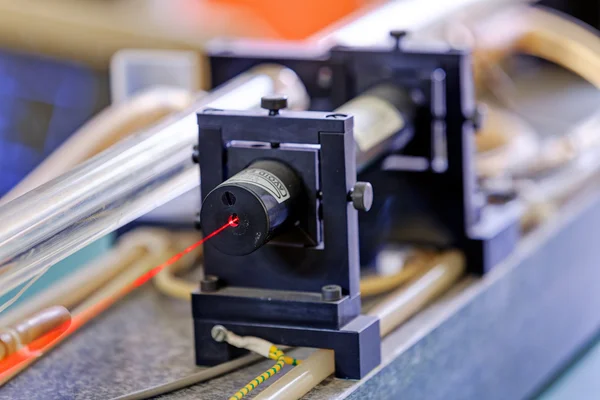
234, 220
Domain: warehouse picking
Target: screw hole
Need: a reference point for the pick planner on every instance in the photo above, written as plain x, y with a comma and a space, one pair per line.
228, 199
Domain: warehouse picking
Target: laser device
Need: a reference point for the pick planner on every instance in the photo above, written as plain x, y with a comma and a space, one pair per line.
415, 120
288, 270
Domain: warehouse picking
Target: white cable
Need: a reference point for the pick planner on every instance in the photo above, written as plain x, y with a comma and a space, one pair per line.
257, 345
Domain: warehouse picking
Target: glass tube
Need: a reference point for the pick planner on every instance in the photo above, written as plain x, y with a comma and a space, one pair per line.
122, 183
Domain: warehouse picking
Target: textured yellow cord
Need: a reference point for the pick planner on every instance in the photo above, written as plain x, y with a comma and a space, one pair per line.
275, 354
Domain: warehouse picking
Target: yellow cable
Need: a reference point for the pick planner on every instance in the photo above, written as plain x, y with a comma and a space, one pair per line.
275, 354
445, 269
259, 346
291, 360
378, 284
169, 284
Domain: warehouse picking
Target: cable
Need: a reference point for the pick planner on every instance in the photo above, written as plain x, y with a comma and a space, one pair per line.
278, 355
259, 346
169, 284
193, 379
444, 270
447, 268
542, 33
160, 245
377, 284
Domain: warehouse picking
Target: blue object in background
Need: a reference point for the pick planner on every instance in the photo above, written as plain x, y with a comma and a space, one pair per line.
42, 102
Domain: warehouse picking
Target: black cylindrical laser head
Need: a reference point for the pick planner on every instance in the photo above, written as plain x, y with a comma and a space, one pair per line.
261, 198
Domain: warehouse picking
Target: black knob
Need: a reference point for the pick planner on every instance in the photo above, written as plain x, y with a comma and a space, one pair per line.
361, 196
273, 103
398, 35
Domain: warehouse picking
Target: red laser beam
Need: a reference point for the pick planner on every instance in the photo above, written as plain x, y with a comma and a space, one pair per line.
16, 362
233, 222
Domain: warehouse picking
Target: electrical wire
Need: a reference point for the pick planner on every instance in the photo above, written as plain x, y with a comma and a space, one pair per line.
375, 285
158, 246
279, 357
443, 271
193, 379
169, 284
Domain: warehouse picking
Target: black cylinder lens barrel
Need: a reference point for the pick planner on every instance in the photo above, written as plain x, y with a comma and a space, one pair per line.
261, 198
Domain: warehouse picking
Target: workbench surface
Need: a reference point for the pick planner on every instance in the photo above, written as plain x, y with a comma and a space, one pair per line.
496, 338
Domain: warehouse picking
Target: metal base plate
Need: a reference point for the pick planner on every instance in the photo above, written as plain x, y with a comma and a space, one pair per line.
357, 345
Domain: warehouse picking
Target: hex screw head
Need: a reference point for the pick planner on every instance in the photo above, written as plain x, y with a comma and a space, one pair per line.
274, 103
361, 196
209, 284
398, 35
331, 292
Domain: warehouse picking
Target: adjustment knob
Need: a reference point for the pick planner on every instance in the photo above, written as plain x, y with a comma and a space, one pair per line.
273, 103
398, 35
361, 196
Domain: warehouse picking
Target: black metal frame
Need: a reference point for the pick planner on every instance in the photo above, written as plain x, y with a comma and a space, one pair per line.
440, 203
275, 292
